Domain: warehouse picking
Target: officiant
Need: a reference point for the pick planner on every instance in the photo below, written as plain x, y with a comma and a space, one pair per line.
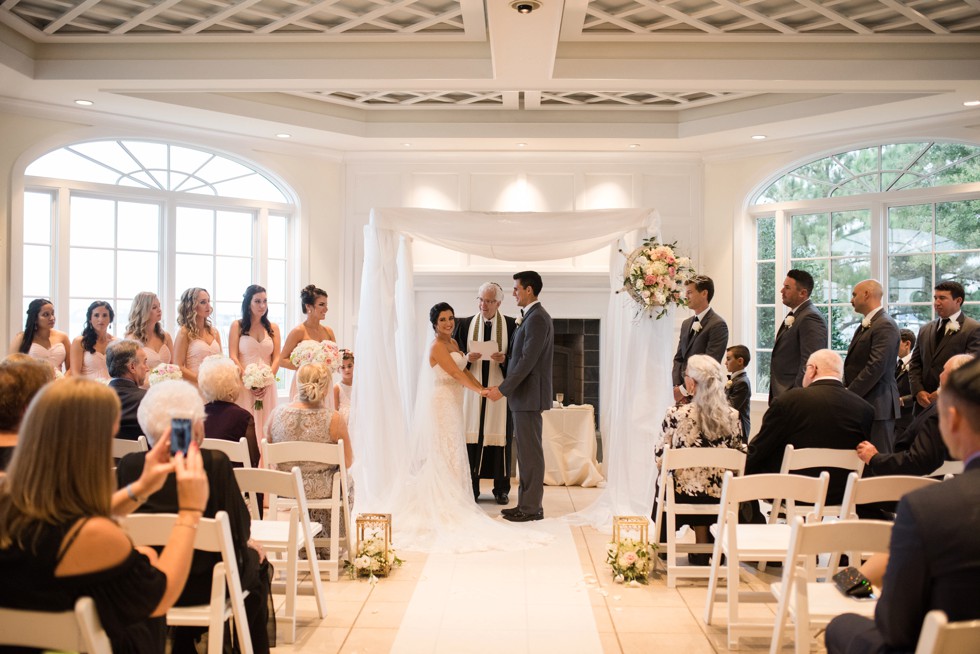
485, 339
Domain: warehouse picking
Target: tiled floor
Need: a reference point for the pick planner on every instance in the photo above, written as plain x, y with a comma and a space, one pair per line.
559, 598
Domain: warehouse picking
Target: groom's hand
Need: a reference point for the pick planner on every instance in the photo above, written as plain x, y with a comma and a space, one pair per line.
494, 393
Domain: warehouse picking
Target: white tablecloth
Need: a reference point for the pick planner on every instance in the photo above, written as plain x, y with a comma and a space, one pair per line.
568, 438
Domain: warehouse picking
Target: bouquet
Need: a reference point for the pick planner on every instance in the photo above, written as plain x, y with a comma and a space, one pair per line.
325, 352
165, 372
654, 276
631, 560
371, 558
258, 376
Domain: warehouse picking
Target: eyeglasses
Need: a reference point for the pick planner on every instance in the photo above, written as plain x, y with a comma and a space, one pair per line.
484, 301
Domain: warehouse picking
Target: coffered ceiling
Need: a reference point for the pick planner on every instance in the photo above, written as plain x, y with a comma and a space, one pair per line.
675, 75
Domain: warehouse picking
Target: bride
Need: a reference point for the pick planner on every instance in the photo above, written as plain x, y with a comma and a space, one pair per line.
432, 506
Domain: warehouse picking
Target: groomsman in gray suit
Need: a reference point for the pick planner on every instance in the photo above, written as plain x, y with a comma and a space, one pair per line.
703, 333
953, 333
869, 368
802, 333
528, 390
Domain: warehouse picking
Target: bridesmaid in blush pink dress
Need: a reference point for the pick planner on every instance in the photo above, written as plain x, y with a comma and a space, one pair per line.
197, 338
88, 350
315, 308
254, 339
40, 339
144, 327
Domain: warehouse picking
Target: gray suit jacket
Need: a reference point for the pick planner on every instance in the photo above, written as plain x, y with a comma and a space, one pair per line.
711, 340
793, 347
869, 369
928, 360
528, 383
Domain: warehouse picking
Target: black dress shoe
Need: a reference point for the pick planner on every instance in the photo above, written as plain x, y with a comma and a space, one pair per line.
501, 498
520, 516
507, 512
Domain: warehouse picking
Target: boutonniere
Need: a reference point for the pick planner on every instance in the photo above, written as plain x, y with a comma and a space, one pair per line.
696, 326
866, 322
728, 384
952, 327
789, 320
518, 320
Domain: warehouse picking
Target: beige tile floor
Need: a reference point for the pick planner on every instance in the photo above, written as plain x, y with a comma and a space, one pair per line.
464, 617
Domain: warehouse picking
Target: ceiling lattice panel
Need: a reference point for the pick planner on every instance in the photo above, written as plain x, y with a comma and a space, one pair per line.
409, 99
782, 17
634, 99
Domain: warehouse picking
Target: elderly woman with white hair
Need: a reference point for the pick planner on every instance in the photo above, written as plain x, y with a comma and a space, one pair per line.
162, 403
220, 382
706, 420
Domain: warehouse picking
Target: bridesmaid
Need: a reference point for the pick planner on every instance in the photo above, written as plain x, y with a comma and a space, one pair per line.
144, 327
254, 339
315, 307
40, 339
88, 350
197, 339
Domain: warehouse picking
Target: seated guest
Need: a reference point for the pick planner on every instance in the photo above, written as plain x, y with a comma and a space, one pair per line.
738, 390
706, 421
220, 382
307, 419
21, 377
821, 414
933, 562
162, 401
58, 541
126, 362
906, 401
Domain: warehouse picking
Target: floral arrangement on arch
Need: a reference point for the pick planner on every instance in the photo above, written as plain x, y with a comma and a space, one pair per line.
325, 352
165, 372
258, 376
631, 561
654, 276
372, 557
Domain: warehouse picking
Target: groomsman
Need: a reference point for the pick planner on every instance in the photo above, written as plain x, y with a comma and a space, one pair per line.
905, 398
489, 431
703, 333
738, 390
803, 332
952, 333
869, 368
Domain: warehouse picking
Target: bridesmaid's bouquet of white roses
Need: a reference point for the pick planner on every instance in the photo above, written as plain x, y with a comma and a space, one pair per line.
256, 377
324, 352
165, 372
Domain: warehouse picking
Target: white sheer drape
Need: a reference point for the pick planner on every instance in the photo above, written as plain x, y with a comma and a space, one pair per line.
389, 333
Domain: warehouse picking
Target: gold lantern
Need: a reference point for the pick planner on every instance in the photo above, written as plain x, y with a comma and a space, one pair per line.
630, 554
374, 541
632, 527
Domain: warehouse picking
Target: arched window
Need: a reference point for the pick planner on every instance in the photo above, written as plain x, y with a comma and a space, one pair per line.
907, 214
108, 219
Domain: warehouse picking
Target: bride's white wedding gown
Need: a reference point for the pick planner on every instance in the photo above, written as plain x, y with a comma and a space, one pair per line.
432, 505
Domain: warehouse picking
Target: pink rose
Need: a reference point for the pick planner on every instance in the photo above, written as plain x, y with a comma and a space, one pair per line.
649, 280
670, 271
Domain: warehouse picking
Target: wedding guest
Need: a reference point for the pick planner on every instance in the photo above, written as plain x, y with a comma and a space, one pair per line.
126, 362
220, 383
706, 420
738, 390
307, 419
253, 339
906, 401
21, 377
869, 368
88, 350
345, 387
144, 326
953, 333
197, 339
181, 398
703, 333
40, 339
802, 332
58, 539
314, 301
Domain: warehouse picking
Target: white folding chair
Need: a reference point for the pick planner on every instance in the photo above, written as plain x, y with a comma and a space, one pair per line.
680, 458
754, 542
285, 537
213, 535
811, 603
121, 446
814, 457
77, 630
292, 452
236, 451
938, 636
947, 468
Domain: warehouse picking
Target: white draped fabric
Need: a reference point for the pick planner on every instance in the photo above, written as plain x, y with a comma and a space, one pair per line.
635, 369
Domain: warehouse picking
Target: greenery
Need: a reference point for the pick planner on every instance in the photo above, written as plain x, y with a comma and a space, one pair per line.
631, 560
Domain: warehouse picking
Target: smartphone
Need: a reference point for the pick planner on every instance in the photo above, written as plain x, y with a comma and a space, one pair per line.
180, 435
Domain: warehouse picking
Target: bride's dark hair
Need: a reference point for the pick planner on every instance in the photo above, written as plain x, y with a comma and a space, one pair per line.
436, 310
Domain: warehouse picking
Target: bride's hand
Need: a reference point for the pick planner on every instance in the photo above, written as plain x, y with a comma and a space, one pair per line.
484, 392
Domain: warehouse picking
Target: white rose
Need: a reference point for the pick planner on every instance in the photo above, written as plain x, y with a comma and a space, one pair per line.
696, 326
866, 322
789, 320
952, 327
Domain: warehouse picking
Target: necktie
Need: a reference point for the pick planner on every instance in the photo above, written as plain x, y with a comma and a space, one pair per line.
522, 313
487, 330
941, 330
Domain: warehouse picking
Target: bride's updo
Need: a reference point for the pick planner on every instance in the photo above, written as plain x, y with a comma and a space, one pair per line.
312, 382
436, 310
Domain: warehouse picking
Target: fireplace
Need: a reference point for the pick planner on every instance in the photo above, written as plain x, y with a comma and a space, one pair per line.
576, 364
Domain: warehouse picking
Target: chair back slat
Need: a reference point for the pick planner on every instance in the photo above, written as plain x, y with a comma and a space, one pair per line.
703, 457
123, 446
62, 630
878, 489
797, 488
948, 468
302, 451
236, 451
820, 457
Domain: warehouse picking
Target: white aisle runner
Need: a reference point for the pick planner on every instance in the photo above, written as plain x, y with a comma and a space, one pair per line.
530, 601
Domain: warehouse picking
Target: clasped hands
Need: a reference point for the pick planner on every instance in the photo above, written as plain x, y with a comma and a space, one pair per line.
492, 393
496, 357
865, 450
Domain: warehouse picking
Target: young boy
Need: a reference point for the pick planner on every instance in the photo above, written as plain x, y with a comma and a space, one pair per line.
739, 389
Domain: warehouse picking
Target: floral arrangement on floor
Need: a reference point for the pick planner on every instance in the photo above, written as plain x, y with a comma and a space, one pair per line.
325, 352
371, 558
258, 376
165, 372
654, 276
631, 561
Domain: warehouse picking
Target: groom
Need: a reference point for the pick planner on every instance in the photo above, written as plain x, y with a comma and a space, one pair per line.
528, 392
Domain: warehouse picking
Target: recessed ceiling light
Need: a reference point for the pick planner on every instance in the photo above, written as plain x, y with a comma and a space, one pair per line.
84, 103
284, 135
522, 145
633, 146
759, 137
972, 103
406, 145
